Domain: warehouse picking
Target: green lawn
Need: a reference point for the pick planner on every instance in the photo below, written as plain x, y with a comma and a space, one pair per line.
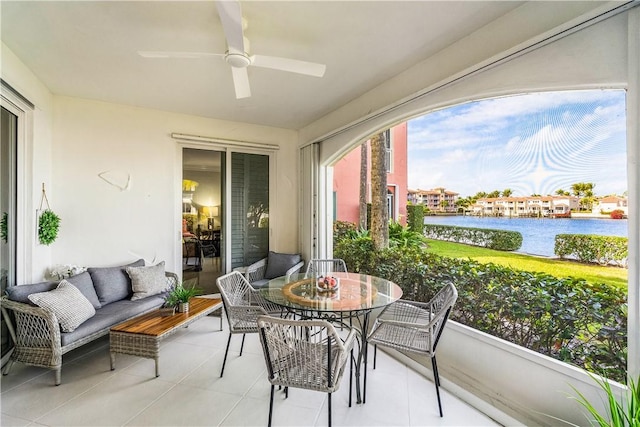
613, 276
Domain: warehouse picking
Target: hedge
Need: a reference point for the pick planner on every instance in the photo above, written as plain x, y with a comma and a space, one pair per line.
603, 250
501, 240
415, 217
564, 318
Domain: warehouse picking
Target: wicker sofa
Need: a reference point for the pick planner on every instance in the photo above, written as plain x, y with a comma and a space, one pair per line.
39, 336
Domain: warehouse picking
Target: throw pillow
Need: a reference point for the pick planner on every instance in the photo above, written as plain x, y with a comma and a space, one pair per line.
278, 264
112, 283
147, 281
67, 303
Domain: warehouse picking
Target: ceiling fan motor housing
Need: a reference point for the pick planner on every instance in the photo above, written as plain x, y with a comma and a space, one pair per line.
238, 60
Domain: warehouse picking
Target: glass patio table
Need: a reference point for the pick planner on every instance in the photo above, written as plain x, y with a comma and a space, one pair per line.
353, 298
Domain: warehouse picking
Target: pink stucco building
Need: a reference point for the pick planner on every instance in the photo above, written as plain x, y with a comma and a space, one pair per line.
346, 179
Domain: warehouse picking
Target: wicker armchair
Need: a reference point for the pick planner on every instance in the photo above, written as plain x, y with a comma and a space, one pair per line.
325, 266
259, 273
415, 327
36, 335
307, 354
243, 306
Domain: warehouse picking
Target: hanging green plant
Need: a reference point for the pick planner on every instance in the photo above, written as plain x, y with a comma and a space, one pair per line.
48, 225
4, 226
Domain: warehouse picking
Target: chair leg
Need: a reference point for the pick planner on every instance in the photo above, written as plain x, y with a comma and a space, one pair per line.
7, 367
271, 405
329, 405
436, 379
375, 355
350, 377
242, 345
225, 355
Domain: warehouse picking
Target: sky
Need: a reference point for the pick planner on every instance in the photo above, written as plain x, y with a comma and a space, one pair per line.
532, 144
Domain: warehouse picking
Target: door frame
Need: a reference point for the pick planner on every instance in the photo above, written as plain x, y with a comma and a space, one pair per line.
226, 147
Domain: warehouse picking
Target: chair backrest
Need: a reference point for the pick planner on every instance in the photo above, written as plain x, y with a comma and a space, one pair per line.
288, 342
234, 289
440, 308
325, 266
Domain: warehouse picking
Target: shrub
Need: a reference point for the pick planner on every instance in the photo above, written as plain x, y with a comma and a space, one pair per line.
590, 248
415, 217
565, 318
342, 229
617, 214
501, 240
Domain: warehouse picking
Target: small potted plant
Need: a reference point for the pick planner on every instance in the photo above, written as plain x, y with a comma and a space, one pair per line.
179, 297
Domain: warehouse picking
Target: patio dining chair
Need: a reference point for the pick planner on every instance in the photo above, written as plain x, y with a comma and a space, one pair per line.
325, 266
306, 354
415, 327
243, 305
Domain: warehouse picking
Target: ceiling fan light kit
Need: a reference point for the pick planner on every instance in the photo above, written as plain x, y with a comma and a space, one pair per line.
237, 55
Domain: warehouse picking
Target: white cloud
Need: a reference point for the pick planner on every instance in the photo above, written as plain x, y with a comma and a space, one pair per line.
532, 144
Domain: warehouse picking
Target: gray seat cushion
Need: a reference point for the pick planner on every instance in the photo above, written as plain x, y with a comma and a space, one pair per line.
110, 315
278, 264
113, 283
22, 292
259, 284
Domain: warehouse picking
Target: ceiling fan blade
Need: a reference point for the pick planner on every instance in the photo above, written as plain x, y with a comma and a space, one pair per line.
291, 65
188, 55
241, 82
231, 17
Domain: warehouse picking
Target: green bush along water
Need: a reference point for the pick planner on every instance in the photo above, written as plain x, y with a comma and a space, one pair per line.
568, 318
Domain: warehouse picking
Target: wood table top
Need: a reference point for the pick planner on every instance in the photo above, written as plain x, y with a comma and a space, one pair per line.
154, 324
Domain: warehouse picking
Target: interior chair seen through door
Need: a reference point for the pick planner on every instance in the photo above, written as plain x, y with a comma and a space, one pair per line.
415, 327
306, 354
243, 305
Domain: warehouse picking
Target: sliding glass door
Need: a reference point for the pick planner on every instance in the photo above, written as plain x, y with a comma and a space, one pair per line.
8, 148
249, 200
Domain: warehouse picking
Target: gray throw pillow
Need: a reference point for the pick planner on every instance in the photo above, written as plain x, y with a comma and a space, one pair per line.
112, 283
278, 264
84, 283
67, 303
147, 281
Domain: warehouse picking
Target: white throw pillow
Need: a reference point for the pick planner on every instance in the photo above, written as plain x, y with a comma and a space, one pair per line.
67, 303
147, 281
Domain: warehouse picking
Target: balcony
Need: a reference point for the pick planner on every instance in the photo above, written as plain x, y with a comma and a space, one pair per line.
190, 391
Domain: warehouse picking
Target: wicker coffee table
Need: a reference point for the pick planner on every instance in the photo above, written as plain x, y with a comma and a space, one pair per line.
141, 336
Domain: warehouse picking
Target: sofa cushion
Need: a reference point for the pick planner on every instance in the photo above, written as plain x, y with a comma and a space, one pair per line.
21, 293
84, 283
110, 315
70, 307
147, 281
112, 283
278, 264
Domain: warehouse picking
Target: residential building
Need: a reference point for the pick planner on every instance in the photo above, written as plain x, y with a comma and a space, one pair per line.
608, 204
436, 199
104, 128
532, 206
346, 179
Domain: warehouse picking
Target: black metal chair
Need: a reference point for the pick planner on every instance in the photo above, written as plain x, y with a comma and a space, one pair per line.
306, 354
243, 306
415, 327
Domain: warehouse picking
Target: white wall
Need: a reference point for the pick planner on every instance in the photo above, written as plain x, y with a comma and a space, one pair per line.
35, 162
104, 225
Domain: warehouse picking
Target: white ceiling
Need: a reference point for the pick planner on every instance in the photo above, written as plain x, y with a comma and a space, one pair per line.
89, 50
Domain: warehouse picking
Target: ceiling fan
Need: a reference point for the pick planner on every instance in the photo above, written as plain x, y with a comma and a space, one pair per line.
237, 55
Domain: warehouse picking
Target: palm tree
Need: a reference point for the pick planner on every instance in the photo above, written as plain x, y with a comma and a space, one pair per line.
364, 164
379, 213
507, 192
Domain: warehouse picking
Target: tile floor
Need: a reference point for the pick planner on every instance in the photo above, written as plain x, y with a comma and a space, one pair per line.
190, 392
